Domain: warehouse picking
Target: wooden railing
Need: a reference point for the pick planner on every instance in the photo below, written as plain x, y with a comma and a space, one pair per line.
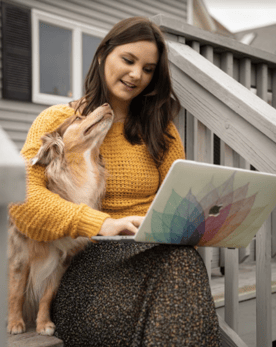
12, 188
225, 88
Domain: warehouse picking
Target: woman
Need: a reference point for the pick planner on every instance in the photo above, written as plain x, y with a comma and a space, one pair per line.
117, 294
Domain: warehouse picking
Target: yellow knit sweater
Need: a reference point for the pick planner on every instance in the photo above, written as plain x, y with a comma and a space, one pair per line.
132, 183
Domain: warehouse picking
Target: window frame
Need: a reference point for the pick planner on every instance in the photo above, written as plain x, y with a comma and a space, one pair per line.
77, 30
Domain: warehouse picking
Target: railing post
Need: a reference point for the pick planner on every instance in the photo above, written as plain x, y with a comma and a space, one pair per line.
263, 250
230, 158
273, 224
205, 145
263, 286
192, 125
12, 189
179, 121
245, 80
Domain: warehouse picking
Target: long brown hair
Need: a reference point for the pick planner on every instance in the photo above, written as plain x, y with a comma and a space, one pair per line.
151, 111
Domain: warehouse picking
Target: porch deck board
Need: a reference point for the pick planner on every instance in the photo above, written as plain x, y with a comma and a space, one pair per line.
32, 339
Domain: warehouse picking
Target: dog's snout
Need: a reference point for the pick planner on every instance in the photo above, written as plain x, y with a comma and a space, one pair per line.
106, 104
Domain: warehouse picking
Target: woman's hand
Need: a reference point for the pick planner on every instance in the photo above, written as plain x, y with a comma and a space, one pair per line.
123, 226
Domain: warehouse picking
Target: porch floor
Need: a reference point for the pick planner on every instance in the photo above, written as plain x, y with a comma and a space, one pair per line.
247, 296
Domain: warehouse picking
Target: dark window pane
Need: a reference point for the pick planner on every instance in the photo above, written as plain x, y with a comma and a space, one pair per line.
89, 47
55, 52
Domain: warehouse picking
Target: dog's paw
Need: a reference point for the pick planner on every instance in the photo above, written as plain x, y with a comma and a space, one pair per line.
47, 328
16, 327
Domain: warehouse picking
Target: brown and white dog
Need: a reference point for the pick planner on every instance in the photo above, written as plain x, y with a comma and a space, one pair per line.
75, 171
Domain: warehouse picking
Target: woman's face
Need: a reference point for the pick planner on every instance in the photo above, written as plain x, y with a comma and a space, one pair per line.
129, 69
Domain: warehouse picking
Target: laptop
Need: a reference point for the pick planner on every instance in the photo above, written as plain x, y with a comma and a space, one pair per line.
206, 205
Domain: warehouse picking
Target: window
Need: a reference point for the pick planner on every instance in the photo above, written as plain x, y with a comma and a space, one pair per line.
89, 46
55, 59
62, 53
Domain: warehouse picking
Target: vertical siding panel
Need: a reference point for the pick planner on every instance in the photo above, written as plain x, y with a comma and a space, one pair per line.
263, 250
230, 158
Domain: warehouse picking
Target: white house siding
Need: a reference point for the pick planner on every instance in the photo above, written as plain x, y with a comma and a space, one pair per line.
17, 117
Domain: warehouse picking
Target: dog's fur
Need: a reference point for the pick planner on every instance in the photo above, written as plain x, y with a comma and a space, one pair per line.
75, 171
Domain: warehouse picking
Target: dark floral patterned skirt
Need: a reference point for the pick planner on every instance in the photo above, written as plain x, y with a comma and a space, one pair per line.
131, 294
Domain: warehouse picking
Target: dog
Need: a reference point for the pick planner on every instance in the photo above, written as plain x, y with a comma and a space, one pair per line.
74, 169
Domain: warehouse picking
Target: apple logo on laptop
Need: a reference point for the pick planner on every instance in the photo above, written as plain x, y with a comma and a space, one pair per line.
215, 210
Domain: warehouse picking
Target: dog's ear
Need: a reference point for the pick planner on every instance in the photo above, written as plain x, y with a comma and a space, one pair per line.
52, 148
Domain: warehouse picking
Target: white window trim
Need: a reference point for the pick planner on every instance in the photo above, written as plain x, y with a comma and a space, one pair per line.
77, 30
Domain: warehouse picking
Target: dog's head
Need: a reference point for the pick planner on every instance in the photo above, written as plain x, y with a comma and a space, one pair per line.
75, 135
88, 133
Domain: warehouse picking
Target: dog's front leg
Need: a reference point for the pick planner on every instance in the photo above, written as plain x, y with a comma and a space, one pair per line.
18, 275
44, 325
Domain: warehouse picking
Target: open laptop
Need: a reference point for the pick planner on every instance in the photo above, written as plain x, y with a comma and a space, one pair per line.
206, 205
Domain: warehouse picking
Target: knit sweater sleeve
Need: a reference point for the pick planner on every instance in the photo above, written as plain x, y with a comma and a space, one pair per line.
45, 216
176, 151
